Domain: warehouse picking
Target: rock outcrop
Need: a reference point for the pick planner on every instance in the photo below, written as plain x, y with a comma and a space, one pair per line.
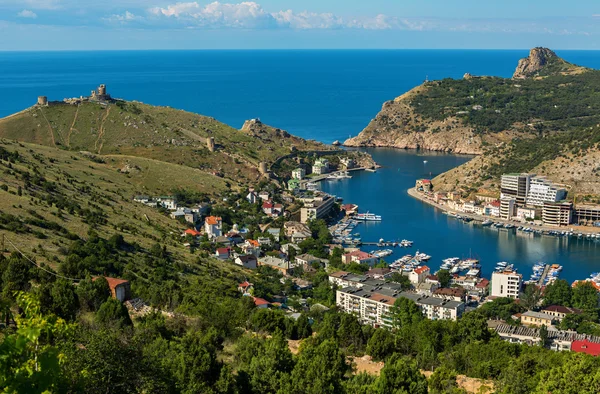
538, 58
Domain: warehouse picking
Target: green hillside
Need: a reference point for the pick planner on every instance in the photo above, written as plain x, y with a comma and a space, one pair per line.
159, 133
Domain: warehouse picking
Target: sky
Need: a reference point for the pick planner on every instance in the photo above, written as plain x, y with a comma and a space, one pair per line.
298, 24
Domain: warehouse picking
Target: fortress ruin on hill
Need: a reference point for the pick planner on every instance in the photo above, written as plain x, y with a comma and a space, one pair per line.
98, 95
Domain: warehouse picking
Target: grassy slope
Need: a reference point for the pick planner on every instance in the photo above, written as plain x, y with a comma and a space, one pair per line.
159, 133
93, 185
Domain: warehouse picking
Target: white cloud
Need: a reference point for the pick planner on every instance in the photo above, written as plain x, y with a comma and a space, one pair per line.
123, 18
27, 14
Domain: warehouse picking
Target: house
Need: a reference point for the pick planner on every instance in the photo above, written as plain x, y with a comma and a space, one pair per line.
347, 163
506, 284
119, 288
320, 167
300, 236
264, 241
451, 293
349, 209
379, 273
247, 261
272, 209
263, 196
167, 202
301, 284
286, 248
252, 247
275, 263
537, 319
432, 279
252, 197
235, 238
292, 227
559, 312
586, 346
358, 256
425, 288
293, 185
192, 232
245, 288
275, 233
423, 185
308, 260
261, 303
492, 209
299, 173
213, 226
223, 253
142, 199
186, 213
419, 274
223, 240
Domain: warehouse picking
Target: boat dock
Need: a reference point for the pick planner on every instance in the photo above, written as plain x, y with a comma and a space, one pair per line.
544, 275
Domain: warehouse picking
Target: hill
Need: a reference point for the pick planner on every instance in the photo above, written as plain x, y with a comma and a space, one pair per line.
124, 129
546, 120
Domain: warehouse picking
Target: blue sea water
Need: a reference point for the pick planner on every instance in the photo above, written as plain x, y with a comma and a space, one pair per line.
323, 95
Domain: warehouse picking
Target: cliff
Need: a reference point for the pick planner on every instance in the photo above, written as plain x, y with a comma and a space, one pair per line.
546, 114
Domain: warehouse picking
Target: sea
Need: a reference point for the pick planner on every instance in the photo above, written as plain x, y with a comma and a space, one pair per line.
326, 95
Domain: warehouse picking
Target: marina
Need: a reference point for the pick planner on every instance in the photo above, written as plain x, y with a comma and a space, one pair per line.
444, 235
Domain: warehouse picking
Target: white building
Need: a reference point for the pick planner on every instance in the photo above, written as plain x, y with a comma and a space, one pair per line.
167, 202
316, 208
419, 274
507, 207
515, 186
557, 213
524, 213
252, 197
320, 167
299, 173
542, 190
506, 284
213, 226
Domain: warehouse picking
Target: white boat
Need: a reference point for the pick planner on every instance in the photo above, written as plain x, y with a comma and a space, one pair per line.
382, 253
422, 256
367, 217
406, 243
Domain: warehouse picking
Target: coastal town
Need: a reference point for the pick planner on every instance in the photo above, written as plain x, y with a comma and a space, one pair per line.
304, 231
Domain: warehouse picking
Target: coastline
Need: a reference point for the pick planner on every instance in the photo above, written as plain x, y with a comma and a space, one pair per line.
576, 229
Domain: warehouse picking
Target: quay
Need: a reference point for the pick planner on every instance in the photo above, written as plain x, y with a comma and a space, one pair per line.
544, 275
544, 229
325, 176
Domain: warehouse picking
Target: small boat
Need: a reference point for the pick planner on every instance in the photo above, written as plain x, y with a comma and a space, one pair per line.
487, 222
367, 217
382, 253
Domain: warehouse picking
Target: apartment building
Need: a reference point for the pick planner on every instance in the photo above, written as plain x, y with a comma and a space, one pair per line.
557, 214
515, 186
316, 208
506, 284
299, 173
542, 190
507, 207
586, 215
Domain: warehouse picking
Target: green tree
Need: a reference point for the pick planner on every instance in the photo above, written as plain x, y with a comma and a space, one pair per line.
585, 296
402, 280
29, 362
303, 327
544, 336
443, 381
531, 297
405, 313
92, 293
113, 314
444, 278
381, 344
268, 367
64, 300
400, 376
558, 293
577, 374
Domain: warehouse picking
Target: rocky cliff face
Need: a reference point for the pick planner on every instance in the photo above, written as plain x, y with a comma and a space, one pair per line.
538, 58
398, 126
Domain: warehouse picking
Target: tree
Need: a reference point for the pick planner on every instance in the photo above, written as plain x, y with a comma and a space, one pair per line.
113, 314
444, 278
585, 296
16, 276
92, 293
543, 336
578, 373
400, 376
442, 381
531, 297
64, 300
268, 367
405, 313
381, 344
304, 328
29, 362
402, 280
558, 293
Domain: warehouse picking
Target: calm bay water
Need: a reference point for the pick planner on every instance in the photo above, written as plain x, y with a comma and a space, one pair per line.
324, 95
384, 193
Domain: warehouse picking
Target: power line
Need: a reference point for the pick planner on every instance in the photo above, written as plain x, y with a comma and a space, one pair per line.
40, 267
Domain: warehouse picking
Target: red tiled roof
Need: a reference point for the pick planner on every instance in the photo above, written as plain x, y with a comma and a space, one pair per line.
483, 283
267, 204
360, 254
422, 269
432, 277
222, 250
495, 204
113, 282
339, 274
253, 242
561, 309
212, 220
578, 282
382, 298
586, 346
192, 232
245, 285
260, 301
425, 181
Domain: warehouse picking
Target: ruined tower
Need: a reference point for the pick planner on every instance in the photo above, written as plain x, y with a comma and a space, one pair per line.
102, 90
42, 100
210, 142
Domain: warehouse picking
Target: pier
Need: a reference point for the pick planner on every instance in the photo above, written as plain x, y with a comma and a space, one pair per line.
544, 275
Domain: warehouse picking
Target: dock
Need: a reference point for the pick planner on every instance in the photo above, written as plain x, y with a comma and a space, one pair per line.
544, 275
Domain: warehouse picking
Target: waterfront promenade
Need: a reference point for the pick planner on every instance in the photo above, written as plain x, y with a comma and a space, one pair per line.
575, 229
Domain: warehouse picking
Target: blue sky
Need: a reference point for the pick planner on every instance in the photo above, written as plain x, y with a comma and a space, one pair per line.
172, 24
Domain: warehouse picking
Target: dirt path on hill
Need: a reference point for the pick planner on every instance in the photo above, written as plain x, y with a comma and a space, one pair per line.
101, 130
72, 126
49, 127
